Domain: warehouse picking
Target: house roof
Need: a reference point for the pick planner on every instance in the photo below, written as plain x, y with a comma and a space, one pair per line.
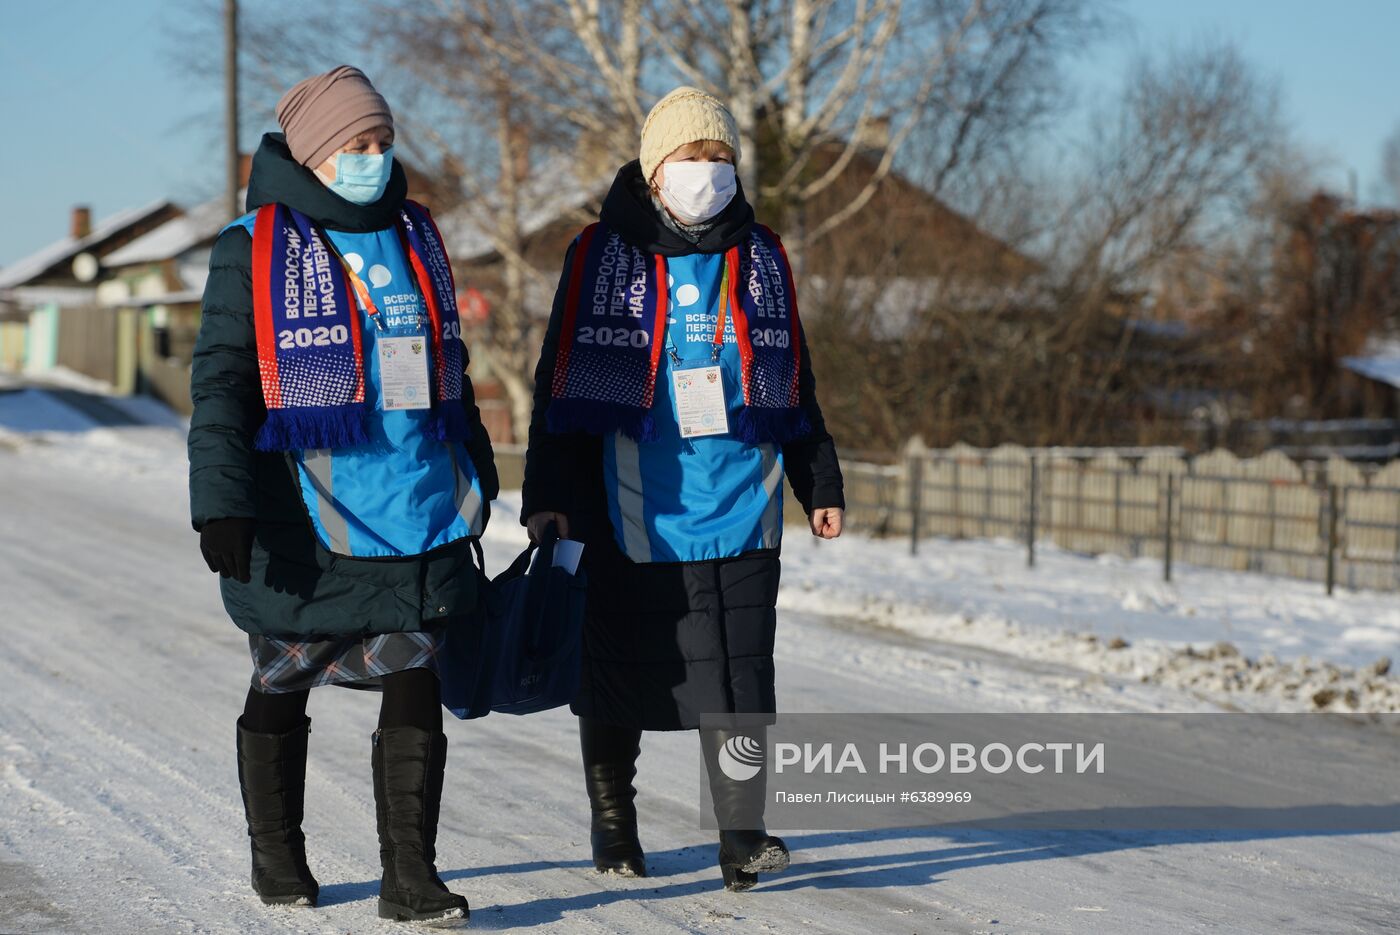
905, 221
27, 297
1379, 361
178, 297
194, 228
41, 261
548, 194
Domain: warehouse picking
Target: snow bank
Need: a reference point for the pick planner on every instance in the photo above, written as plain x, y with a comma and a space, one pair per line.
1245, 640
106, 432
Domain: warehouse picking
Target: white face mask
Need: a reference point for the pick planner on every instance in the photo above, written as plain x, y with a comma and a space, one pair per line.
697, 191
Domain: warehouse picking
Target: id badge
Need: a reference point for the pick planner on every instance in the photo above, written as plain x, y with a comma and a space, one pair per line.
699, 393
403, 372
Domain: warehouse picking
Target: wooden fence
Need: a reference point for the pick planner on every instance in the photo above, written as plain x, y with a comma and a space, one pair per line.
87, 342
1334, 522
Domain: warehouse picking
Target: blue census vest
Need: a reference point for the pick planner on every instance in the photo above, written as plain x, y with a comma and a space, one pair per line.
689, 500
404, 493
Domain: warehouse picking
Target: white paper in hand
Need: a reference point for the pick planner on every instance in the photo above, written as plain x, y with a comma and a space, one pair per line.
567, 553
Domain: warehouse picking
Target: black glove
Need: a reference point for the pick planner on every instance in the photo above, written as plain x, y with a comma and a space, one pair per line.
227, 545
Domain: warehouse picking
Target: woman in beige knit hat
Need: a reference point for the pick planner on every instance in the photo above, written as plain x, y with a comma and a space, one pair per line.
328, 373
673, 394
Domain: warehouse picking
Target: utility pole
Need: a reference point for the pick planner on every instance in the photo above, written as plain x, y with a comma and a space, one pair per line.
231, 105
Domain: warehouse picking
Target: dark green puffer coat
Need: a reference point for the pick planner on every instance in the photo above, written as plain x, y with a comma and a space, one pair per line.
298, 588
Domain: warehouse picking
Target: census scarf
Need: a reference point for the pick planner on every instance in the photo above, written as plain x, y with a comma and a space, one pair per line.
611, 336
310, 350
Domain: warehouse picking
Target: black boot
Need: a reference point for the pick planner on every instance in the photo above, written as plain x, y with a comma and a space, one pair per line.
408, 766
745, 848
272, 776
609, 766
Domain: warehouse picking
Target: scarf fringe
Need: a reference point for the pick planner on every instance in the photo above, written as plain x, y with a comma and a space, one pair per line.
600, 418
313, 427
756, 424
348, 424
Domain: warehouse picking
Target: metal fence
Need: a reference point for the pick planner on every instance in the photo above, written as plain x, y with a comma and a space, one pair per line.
1327, 522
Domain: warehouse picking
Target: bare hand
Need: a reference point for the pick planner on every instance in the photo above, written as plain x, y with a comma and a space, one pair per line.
826, 521
538, 522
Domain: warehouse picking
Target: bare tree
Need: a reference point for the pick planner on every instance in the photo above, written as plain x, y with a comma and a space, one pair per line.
504, 137
824, 92
832, 84
1171, 179
821, 90
988, 346
278, 45
1177, 163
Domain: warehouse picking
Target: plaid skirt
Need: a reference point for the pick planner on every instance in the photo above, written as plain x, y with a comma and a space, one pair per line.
355, 662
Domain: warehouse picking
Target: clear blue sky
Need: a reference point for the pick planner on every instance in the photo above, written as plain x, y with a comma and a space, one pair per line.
97, 112
1335, 63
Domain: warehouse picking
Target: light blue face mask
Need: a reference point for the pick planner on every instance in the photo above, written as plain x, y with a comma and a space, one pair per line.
362, 177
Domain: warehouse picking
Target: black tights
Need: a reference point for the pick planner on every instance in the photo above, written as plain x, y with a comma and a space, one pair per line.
411, 699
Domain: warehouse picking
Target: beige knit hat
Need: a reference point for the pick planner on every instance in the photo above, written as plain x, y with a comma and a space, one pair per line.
685, 116
324, 112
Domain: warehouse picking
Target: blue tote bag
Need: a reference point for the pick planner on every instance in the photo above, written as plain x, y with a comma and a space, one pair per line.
521, 652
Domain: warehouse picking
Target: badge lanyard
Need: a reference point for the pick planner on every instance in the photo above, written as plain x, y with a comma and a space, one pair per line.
718, 341
362, 290
362, 293
403, 363
699, 389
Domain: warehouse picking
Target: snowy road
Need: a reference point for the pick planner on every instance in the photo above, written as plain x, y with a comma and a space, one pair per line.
119, 807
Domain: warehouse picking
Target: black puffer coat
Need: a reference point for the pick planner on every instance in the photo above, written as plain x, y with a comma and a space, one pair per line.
299, 589
668, 641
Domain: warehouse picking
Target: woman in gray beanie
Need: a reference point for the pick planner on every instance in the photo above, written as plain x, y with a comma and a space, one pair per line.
339, 475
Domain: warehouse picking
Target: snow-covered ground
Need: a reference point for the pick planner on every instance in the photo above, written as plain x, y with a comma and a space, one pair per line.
119, 808
1247, 641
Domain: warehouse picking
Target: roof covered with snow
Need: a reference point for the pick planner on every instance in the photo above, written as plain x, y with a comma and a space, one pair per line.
178, 297
1380, 361
199, 225
39, 262
27, 297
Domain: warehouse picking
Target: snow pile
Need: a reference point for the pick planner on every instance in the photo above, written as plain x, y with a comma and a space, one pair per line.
1218, 672
54, 377
1321, 686
73, 419
1242, 640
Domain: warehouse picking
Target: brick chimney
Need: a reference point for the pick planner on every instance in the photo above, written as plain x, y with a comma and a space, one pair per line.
81, 223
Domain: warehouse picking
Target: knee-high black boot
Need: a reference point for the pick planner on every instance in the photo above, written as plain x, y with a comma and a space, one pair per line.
272, 776
408, 766
609, 766
745, 848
